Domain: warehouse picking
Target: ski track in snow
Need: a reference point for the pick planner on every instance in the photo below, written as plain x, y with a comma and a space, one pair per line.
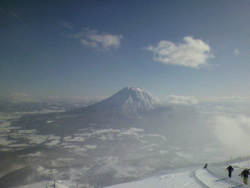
226, 179
192, 174
213, 180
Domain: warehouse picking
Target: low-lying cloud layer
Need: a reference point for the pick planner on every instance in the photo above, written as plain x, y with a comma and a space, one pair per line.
189, 100
234, 133
192, 53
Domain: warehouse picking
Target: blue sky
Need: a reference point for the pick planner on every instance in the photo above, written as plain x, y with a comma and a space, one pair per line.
92, 49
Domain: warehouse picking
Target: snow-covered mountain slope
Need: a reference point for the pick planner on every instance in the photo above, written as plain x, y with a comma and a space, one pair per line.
216, 177
197, 179
129, 99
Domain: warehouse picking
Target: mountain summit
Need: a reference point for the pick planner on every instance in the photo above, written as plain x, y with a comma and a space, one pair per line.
129, 99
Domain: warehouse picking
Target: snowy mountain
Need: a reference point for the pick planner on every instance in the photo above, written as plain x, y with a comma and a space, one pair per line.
126, 107
129, 99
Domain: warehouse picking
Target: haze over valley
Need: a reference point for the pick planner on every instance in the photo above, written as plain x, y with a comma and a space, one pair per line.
125, 137
101, 93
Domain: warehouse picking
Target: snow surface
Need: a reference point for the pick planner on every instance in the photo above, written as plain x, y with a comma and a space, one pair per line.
199, 178
171, 180
176, 178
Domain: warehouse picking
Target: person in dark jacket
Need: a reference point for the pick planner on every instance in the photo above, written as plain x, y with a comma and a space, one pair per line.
245, 174
230, 169
205, 166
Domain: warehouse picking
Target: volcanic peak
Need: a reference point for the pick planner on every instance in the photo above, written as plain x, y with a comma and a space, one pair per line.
130, 99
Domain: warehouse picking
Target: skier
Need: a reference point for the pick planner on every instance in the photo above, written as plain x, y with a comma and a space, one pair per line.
205, 166
230, 169
245, 174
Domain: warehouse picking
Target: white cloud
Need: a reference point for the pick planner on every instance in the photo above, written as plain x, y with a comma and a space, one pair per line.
101, 42
234, 133
189, 100
236, 52
228, 99
192, 53
89, 43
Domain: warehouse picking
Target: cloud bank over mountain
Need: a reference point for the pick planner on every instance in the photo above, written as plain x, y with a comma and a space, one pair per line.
189, 100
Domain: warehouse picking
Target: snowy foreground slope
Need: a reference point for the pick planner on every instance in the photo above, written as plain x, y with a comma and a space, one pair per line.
196, 179
213, 177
